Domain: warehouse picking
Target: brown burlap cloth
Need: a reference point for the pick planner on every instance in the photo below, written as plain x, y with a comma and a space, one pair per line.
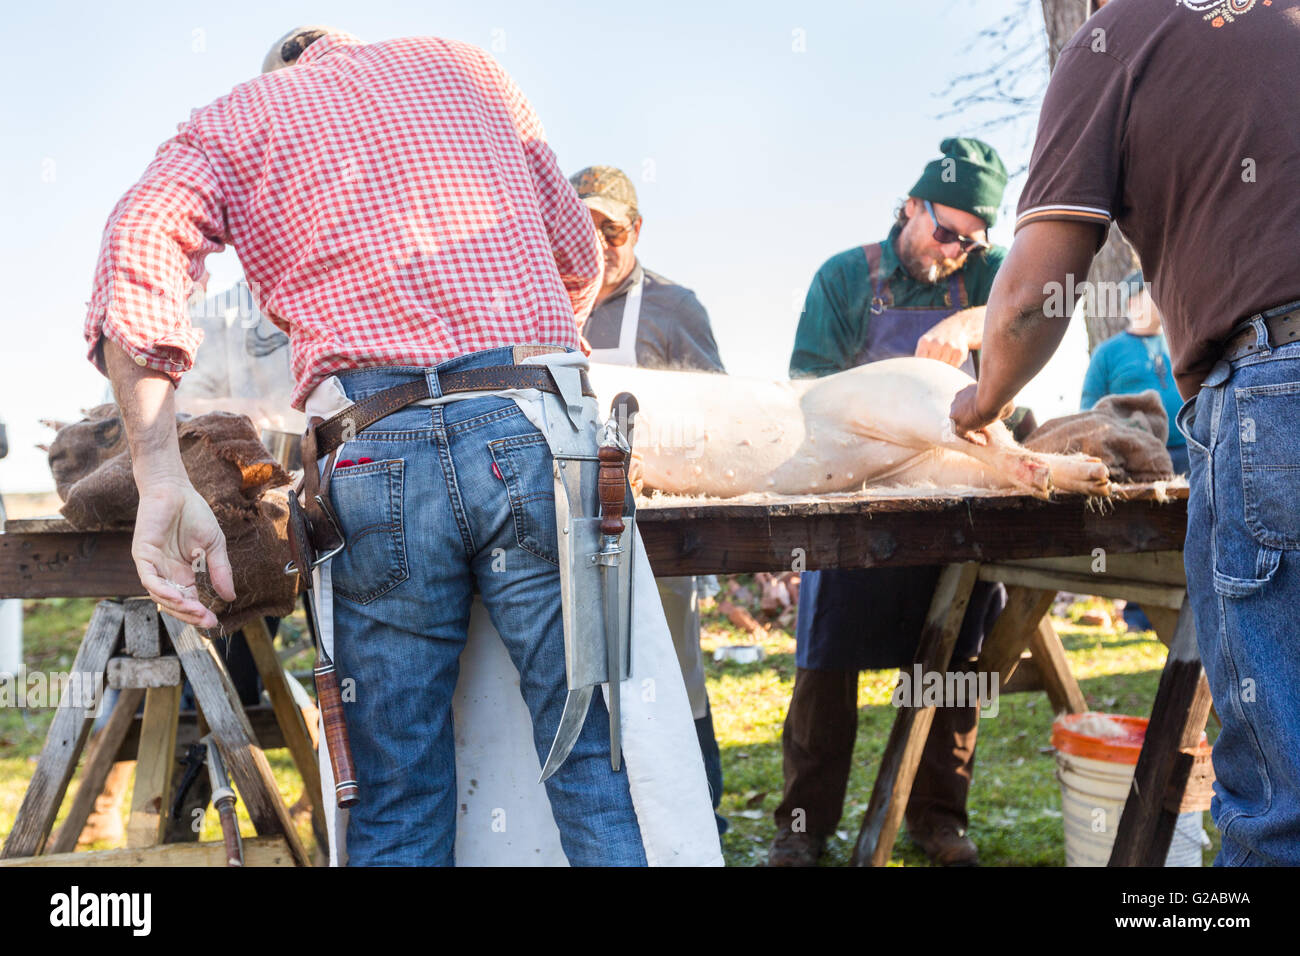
228, 465
1127, 432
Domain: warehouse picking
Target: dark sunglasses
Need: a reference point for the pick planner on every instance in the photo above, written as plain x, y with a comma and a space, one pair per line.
943, 235
615, 234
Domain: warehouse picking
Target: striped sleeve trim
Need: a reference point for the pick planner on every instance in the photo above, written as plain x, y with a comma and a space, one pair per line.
1063, 211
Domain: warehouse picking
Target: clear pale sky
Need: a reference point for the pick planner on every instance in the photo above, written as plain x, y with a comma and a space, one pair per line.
763, 137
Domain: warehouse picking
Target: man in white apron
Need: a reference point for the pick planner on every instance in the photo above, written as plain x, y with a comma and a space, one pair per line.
643, 319
370, 282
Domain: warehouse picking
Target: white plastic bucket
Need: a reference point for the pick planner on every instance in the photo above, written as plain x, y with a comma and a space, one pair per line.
1094, 789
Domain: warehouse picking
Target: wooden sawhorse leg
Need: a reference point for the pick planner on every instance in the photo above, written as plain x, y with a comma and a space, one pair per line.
1025, 623
1014, 630
66, 737
245, 761
289, 716
1177, 720
907, 737
71, 725
99, 764
1054, 670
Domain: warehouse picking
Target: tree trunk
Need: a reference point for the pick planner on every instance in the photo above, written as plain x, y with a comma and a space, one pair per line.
1062, 18
1103, 312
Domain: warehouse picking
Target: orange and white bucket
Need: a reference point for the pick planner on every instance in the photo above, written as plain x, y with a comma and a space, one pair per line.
1096, 755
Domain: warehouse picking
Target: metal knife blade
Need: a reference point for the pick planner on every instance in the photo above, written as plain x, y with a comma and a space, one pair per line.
576, 705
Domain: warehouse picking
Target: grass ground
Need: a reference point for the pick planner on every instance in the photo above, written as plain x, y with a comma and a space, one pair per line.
1015, 803
1015, 800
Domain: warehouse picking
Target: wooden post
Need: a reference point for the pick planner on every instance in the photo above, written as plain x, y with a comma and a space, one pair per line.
154, 768
67, 735
143, 637
245, 762
1177, 721
907, 737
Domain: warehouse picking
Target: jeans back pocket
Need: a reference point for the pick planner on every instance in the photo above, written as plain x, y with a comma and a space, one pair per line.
1270, 462
525, 466
368, 501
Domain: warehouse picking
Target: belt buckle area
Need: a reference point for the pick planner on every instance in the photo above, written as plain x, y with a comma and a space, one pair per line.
1265, 328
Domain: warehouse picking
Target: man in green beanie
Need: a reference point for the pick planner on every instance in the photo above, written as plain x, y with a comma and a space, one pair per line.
919, 292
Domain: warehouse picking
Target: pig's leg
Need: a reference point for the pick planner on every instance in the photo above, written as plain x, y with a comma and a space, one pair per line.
1036, 472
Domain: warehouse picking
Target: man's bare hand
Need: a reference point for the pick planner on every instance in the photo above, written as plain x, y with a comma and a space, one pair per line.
952, 339
967, 419
177, 537
943, 344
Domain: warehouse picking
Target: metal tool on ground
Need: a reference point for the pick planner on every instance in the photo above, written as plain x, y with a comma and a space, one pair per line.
223, 798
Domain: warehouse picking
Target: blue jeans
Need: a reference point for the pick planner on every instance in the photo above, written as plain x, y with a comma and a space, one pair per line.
457, 495
1243, 578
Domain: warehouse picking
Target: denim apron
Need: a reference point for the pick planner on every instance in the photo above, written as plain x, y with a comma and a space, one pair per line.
893, 331
865, 619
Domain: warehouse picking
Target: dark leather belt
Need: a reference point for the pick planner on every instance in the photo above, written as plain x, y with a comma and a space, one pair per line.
325, 436
1283, 324
314, 531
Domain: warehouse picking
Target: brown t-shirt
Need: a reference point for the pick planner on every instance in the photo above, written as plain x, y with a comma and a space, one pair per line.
1180, 119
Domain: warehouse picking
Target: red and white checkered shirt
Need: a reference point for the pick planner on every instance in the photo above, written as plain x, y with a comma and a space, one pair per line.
392, 203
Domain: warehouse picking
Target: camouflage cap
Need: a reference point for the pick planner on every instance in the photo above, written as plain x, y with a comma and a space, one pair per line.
607, 190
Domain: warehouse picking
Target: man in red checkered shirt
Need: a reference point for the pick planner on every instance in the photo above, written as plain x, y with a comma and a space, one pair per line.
396, 208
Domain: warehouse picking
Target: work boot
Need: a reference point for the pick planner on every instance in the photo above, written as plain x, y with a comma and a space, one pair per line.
936, 809
795, 849
945, 844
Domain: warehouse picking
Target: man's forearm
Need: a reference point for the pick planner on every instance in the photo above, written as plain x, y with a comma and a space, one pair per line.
149, 416
1018, 337
972, 323
1018, 341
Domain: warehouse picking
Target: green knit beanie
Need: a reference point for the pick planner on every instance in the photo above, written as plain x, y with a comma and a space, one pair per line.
968, 176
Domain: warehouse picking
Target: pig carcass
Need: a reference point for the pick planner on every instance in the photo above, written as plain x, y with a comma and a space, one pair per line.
882, 424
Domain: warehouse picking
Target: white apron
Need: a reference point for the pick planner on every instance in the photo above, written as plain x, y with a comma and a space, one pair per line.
625, 352
505, 816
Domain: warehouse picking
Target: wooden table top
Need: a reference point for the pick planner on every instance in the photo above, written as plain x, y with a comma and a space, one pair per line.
47, 557
900, 528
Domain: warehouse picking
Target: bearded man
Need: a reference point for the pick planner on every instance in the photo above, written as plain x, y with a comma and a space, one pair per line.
919, 292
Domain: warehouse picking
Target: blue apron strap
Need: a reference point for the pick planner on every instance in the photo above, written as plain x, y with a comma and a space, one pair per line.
881, 297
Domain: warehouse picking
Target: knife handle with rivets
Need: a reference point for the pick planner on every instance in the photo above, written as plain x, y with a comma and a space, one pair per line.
611, 483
